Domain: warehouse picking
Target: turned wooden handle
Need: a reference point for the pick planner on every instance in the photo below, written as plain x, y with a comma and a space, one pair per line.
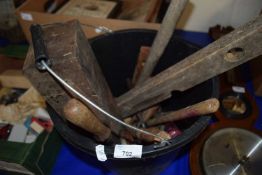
78, 114
202, 108
149, 138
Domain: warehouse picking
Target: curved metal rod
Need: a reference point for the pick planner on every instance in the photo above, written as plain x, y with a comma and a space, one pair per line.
82, 97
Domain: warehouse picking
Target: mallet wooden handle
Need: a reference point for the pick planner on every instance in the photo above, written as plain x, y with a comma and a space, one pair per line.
202, 108
78, 114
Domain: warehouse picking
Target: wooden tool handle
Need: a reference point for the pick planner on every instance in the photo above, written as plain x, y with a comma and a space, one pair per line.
202, 108
149, 138
162, 38
77, 113
141, 59
147, 114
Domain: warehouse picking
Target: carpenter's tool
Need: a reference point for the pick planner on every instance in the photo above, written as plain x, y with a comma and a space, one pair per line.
162, 38
42, 60
149, 58
39, 47
231, 50
202, 108
146, 115
77, 113
147, 61
140, 63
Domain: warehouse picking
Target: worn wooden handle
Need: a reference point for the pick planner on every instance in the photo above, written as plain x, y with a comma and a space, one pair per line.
147, 114
163, 36
149, 138
77, 113
202, 108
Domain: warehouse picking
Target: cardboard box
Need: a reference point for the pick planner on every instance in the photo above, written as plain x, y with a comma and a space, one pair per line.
94, 8
32, 11
14, 78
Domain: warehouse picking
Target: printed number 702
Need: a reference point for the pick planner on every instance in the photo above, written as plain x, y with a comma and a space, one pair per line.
127, 154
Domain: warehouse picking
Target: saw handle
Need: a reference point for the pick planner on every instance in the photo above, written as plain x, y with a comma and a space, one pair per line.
39, 46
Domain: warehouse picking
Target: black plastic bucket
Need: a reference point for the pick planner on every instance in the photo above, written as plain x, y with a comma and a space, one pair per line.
116, 54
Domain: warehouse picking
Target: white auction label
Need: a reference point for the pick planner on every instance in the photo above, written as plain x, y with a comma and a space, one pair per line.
26, 16
100, 153
128, 151
238, 89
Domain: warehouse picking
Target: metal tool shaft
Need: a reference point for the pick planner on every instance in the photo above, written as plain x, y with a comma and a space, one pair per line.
86, 100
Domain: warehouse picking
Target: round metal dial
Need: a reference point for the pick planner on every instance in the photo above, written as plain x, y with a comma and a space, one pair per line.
232, 151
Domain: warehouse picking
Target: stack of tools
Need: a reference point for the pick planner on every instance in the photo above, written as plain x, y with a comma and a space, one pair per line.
63, 68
